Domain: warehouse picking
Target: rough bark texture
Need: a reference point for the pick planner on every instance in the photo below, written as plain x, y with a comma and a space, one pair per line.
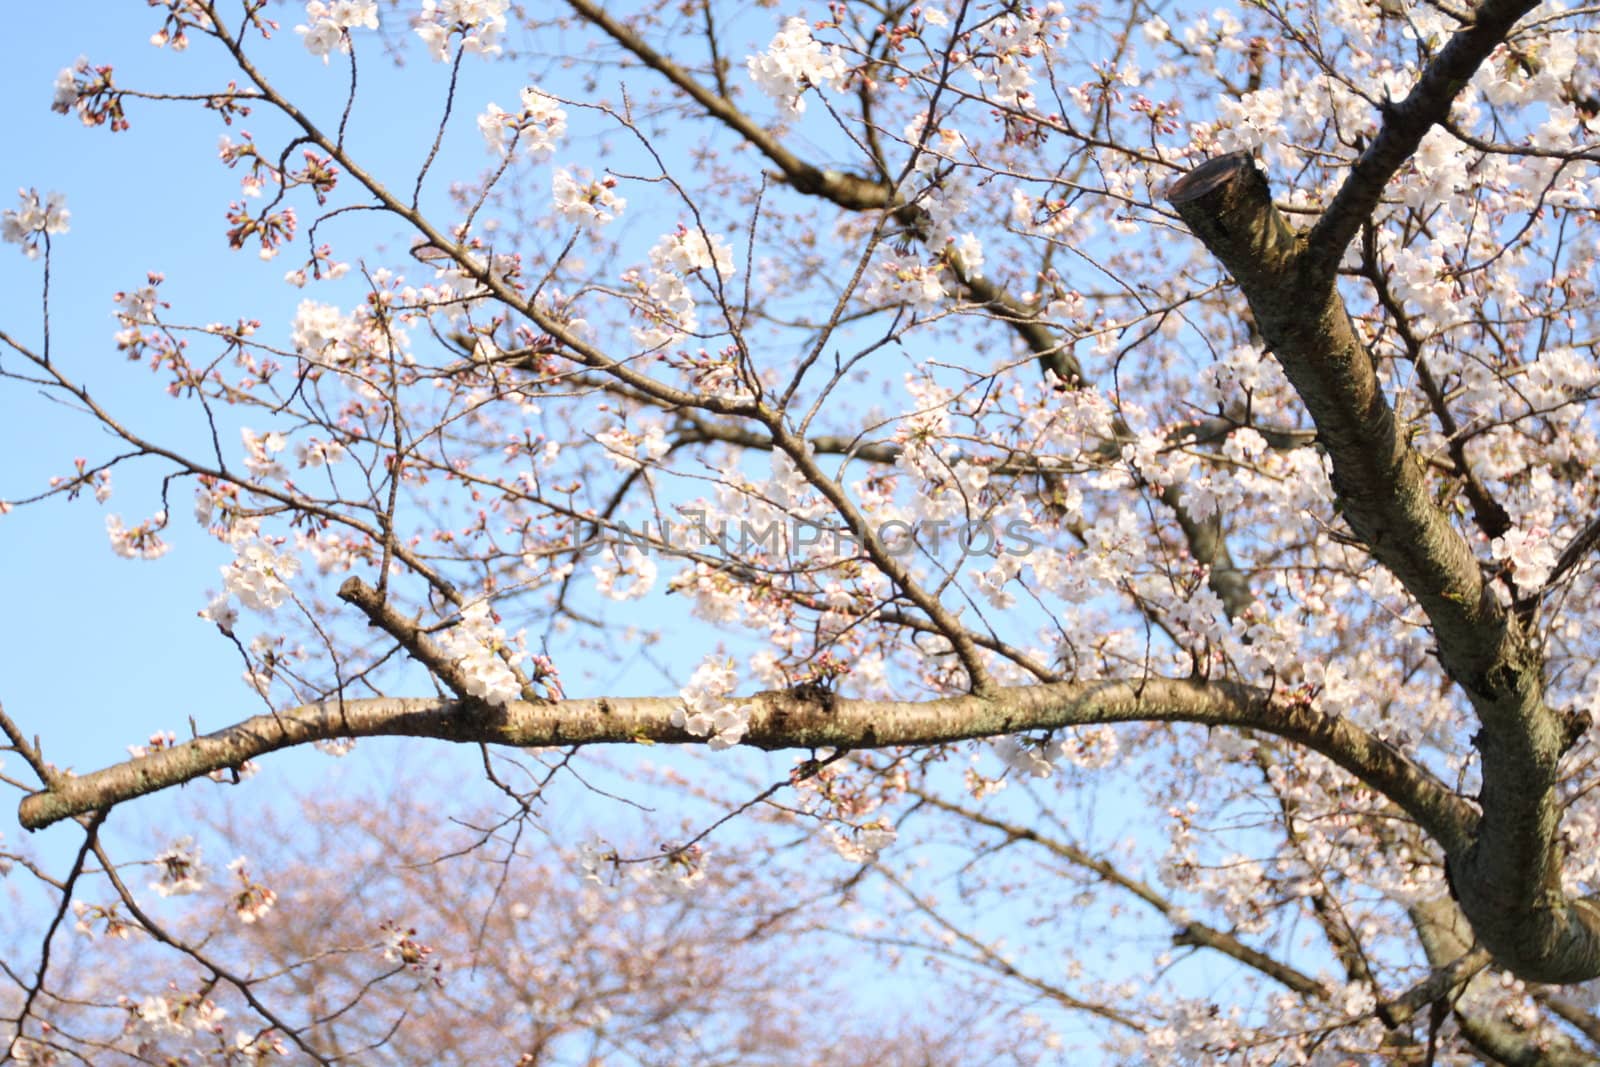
802, 718
1508, 875
1446, 938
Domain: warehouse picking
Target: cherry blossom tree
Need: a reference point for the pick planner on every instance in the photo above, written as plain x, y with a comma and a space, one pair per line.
694, 964
1131, 464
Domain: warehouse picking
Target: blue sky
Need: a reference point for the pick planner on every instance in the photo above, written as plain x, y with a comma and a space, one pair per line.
97, 651
105, 649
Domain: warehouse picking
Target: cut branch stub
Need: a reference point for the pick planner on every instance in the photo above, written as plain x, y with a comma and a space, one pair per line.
1226, 203
1208, 177
1380, 480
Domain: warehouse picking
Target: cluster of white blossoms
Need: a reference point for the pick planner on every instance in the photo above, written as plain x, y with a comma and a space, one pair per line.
666, 301
480, 23
1027, 756
320, 331
178, 1015
259, 450
624, 573
940, 182
257, 578
628, 450
675, 874
473, 644
87, 915
324, 335
687, 251
252, 900
329, 549
182, 1014
328, 25
536, 130
33, 218
400, 945
135, 309
318, 453
863, 843
1530, 552
795, 61
1002, 59
707, 711
181, 870
904, 279
597, 861
993, 582
138, 542
66, 94
583, 199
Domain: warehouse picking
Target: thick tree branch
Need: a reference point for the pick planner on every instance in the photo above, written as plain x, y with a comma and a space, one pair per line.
1446, 938
779, 720
1487, 511
1583, 542
849, 191
1053, 352
415, 640
1509, 879
1577, 1015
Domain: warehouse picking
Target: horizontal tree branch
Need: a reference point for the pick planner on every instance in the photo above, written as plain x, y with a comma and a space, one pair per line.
800, 718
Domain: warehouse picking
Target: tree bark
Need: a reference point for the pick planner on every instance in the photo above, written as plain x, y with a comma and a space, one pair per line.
800, 718
1508, 874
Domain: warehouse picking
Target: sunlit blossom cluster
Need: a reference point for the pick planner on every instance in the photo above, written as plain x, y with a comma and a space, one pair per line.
181, 869
251, 900
32, 221
329, 24
677, 873
862, 844
624, 572
665, 299
1002, 59
478, 23
794, 62
536, 131
708, 710
177, 1014
474, 645
582, 199
141, 541
259, 576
